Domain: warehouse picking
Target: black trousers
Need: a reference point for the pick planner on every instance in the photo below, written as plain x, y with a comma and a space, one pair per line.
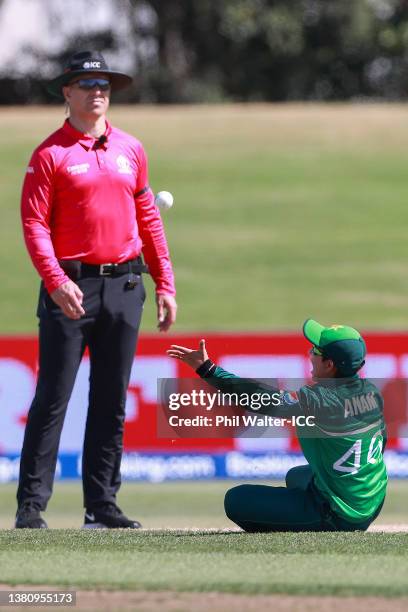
109, 329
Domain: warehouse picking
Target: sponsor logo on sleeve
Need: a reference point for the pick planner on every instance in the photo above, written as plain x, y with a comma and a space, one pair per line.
30, 170
290, 397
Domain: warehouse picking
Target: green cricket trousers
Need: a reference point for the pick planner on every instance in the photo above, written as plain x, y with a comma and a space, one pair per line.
297, 507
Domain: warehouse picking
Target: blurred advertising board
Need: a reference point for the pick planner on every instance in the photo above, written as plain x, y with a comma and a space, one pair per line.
148, 457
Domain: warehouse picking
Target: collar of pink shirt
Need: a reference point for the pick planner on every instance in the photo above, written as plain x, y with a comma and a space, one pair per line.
86, 140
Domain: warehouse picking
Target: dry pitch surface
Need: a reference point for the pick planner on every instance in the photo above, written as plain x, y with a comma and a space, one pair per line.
145, 601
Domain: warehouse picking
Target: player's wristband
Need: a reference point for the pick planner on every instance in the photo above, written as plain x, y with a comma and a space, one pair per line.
206, 369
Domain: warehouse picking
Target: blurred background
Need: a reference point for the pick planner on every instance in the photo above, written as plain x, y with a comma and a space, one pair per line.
187, 51
282, 131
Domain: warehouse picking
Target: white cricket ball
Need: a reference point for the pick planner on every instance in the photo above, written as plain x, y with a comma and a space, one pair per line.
164, 200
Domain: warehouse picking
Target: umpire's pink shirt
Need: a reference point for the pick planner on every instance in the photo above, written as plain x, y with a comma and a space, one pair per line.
82, 200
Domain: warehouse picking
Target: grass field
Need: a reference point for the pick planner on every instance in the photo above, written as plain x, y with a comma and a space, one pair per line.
176, 553
175, 505
302, 564
282, 212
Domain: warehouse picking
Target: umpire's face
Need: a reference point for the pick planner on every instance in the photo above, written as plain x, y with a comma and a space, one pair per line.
92, 102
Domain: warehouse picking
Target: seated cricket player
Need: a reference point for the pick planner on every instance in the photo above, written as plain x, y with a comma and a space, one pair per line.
343, 486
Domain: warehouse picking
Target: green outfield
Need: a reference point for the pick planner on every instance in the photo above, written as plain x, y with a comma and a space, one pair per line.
281, 212
175, 552
175, 505
302, 564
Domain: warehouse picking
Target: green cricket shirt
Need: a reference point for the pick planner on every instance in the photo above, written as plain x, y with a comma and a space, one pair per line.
344, 447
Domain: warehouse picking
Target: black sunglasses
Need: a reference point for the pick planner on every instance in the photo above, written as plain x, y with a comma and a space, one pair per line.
316, 351
88, 84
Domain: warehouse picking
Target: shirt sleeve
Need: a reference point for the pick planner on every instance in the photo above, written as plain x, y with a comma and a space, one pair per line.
151, 231
36, 210
272, 400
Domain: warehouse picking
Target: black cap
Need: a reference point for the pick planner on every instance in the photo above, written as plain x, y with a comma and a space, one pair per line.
85, 62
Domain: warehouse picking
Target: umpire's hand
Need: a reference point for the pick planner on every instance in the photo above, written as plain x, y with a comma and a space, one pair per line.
69, 298
191, 357
166, 311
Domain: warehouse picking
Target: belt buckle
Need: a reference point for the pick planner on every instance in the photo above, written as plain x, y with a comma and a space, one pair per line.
103, 272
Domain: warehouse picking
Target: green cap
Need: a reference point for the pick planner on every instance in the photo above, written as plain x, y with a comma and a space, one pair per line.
340, 343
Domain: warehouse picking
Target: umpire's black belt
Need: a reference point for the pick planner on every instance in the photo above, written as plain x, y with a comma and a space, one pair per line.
76, 269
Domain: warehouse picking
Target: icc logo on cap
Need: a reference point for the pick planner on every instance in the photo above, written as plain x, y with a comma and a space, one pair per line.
92, 65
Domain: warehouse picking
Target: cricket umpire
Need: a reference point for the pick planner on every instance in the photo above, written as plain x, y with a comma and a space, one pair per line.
88, 216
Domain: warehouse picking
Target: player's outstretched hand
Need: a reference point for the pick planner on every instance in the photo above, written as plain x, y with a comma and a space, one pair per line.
193, 358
